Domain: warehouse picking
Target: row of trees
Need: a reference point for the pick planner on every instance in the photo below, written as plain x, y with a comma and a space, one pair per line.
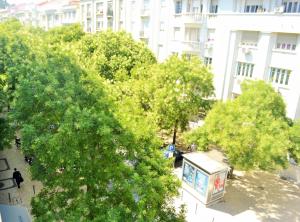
96, 155
89, 109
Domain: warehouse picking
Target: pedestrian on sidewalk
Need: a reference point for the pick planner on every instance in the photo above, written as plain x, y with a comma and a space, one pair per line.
18, 177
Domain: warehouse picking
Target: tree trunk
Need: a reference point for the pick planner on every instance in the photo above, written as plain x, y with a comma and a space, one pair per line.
174, 132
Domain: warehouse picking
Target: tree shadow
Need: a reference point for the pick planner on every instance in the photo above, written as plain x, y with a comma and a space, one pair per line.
271, 198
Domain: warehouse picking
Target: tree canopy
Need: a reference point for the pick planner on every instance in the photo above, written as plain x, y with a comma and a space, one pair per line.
113, 55
181, 89
96, 163
251, 130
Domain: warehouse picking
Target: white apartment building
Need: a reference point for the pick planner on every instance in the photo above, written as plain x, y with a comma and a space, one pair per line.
239, 39
46, 14
57, 13
97, 15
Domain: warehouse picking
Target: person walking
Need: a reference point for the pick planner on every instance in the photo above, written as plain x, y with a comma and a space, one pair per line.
18, 177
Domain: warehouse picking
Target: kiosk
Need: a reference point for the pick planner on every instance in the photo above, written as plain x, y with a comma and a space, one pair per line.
203, 177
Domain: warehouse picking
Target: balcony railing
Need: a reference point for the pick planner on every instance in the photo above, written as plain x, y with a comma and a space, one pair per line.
191, 45
192, 17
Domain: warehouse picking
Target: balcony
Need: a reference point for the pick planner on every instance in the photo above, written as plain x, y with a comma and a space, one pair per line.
191, 17
185, 46
269, 22
191, 46
145, 12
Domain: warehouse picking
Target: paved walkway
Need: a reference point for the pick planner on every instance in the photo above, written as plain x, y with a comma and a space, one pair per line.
250, 197
9, 193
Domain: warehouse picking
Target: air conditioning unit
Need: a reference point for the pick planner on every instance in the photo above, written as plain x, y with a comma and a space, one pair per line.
279, 9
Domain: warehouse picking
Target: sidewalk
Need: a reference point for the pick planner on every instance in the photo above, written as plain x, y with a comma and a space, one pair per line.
9, 193
251, 197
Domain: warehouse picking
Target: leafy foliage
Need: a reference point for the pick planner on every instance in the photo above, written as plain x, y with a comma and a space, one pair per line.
250, 129
113, 54
295, 139
96, 162
181, 89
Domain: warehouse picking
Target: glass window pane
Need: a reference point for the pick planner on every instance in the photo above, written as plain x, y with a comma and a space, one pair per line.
238, 69
287, 78
289, 8
272, 74
295, 7
283, 73
247, 69
277, 75
251, 71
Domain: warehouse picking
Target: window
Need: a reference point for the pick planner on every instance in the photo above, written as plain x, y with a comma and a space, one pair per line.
213, 6
286, 42
250, 38
280, 76
82, 11
162, 3
178, 7
146, 5
192, 34
291, 6
176, 33
162, 26
160, 52
245, 69
210, 35
109, 9
88, 8
99, 7
99, 25
253, 8
207, 61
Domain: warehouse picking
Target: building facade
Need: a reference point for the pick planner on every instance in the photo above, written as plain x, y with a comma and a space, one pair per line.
57, 13
239, 39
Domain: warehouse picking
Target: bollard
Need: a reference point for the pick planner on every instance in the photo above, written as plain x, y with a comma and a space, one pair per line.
9, 198
33, 188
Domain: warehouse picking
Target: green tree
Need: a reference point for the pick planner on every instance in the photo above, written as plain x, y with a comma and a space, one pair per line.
113, 54
181, 90
251, 130
295, 139
112, 169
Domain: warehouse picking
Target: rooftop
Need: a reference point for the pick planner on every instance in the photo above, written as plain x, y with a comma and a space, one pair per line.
204, 161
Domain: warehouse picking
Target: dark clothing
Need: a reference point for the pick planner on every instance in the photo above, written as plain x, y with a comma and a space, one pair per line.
18, 178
